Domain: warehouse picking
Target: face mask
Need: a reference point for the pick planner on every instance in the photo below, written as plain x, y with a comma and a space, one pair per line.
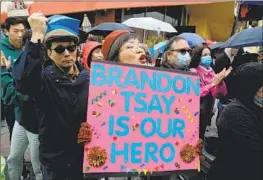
258, 101
183, 60
206, 61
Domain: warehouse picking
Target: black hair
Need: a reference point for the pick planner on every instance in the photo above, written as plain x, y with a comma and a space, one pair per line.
115, 47
221, 62
196, 56
10, 21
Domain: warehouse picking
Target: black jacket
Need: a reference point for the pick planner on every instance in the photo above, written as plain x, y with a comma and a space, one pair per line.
61, 105
240, 130
239, 153
25, 111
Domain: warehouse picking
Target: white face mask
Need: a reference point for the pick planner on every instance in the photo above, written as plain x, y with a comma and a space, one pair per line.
258, 101
183, 60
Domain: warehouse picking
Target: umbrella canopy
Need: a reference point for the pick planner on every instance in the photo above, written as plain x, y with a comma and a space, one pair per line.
216, 45
254, 3
107, 28
192, 39
246, 38
149, 23
158, 48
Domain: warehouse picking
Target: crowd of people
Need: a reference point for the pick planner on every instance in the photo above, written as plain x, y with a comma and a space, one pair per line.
45, 85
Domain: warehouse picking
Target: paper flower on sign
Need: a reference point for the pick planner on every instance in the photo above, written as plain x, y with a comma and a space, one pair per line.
96, 156
85, 133
188, 153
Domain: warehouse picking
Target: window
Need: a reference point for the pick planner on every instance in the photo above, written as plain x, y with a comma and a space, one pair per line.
156, 13
134, 13
118, 15
173, 15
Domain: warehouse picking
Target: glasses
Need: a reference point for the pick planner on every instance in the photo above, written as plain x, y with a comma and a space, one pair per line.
133, 48
60, 49
183, 51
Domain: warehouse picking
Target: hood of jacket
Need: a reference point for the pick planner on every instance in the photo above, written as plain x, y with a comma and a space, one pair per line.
9, 50
87, 50
249, 78
5, 42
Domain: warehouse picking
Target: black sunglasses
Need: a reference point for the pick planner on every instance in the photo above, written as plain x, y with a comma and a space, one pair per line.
60, 49
183, 51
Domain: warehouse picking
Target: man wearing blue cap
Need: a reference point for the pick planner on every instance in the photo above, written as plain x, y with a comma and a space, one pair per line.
48, 71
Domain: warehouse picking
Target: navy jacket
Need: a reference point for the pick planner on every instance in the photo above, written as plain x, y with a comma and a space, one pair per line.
61, 105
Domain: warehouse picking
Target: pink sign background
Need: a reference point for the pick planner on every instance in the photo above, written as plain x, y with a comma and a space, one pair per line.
185, 107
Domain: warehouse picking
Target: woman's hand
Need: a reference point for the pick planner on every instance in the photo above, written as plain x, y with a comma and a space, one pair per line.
228, 71
221, 76
8, 63
218, 78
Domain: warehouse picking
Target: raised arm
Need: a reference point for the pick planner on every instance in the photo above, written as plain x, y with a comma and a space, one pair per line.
28, 68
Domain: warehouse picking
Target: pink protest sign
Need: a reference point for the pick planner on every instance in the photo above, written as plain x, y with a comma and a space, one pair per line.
143, 120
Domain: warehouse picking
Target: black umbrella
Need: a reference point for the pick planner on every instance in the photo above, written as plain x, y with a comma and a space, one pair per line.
106, 28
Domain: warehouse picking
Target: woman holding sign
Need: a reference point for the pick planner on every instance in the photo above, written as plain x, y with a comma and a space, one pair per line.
124, 47
212, 85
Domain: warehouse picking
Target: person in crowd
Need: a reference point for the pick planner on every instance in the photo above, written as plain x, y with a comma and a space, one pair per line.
91, 51
177, 54
212, 85
25, 130
231, 58
240, 127
59, 84
177, 57
11, 48
124, 47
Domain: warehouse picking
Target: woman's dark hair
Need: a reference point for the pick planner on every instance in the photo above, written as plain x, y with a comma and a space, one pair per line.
10, 21
196, 56
115, 47
222, 61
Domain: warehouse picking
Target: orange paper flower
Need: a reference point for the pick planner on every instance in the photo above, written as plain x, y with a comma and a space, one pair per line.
96, 156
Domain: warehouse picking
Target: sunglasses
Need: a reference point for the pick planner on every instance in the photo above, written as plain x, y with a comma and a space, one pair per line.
60, 49
183, 51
